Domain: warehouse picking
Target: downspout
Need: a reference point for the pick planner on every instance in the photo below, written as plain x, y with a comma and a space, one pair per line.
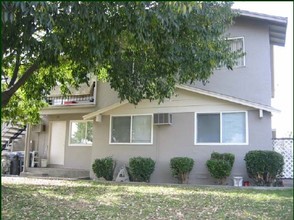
27, 149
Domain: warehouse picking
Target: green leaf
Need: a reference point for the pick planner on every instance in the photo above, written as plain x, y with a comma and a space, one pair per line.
146, 48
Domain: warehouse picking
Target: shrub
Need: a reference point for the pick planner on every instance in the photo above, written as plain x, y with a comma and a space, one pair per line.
181, 168
141, 168
225, 156
264, 167
130, 175
104, 168
220, 166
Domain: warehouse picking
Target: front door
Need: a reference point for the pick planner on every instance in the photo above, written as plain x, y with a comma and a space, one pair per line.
57, 142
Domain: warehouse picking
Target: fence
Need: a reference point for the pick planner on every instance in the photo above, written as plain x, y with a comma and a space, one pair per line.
284, 146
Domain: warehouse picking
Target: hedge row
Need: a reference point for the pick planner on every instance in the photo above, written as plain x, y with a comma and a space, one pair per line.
263, 167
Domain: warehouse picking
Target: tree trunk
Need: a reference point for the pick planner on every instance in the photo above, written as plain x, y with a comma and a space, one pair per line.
7, 94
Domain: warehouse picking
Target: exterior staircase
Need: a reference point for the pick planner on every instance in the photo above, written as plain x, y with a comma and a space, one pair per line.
11, 132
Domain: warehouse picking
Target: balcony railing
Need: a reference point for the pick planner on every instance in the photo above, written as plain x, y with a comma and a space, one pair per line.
84, 96
10, 132
70, 100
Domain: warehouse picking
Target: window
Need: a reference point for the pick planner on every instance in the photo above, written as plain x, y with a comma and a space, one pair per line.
135, 129
236, 45
81, 133
221, 128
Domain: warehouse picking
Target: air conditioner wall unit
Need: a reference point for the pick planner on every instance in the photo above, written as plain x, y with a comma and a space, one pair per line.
162, 119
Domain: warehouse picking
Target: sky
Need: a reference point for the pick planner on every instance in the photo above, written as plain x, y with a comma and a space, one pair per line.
283, 64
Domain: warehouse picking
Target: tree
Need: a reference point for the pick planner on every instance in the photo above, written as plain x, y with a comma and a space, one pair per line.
141, 48
83, 133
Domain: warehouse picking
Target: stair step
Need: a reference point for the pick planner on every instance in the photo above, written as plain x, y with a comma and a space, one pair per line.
58, 172
8, 135
11, 133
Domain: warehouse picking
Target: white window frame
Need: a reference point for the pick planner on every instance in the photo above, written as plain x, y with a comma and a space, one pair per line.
131, 124
243, 41
70, 130
220, 143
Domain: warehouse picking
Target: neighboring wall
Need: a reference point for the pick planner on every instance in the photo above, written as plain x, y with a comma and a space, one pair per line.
178, 139
252, 82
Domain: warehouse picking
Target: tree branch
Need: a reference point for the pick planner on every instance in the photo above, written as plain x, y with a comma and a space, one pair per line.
7, 94
4, 77
16, 68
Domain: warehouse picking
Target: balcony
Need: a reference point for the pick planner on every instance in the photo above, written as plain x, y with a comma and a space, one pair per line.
85, 95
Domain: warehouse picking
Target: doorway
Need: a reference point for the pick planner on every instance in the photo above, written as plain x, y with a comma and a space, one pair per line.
57, 142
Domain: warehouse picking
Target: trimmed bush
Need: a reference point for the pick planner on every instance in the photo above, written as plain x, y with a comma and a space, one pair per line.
141, 168
264, 167
225, 156
104, 168
220, 166
130, 175
181, 168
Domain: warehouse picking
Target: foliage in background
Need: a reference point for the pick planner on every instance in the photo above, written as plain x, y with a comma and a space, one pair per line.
141, 48
264, 167
104, 168
220, 166
181, 168
141, 168
83, 133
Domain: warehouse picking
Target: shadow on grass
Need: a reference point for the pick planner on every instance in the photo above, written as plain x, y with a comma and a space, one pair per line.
101, 200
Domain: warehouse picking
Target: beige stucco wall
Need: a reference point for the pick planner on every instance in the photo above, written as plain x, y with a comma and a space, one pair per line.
253, 81
178, 139
168, 140
105, 95
77, 157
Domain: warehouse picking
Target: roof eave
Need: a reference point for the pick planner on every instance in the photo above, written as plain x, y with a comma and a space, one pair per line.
277, 25
230, 99
92, 115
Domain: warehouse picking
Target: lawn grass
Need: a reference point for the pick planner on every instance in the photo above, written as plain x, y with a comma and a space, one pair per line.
88, 199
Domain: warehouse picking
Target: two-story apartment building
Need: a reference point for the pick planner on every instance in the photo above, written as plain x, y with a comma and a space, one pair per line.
230, 114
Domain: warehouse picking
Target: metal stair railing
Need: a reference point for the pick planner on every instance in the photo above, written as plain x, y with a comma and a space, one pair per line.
6, 128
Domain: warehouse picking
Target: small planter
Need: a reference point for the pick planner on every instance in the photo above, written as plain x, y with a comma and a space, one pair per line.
238, 181
246, 183
43, 163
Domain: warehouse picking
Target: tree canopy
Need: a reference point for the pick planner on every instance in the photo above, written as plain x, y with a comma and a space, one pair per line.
141, 48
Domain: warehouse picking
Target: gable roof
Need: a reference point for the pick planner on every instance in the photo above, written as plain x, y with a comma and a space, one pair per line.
277, 25
229, 98
195, 90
